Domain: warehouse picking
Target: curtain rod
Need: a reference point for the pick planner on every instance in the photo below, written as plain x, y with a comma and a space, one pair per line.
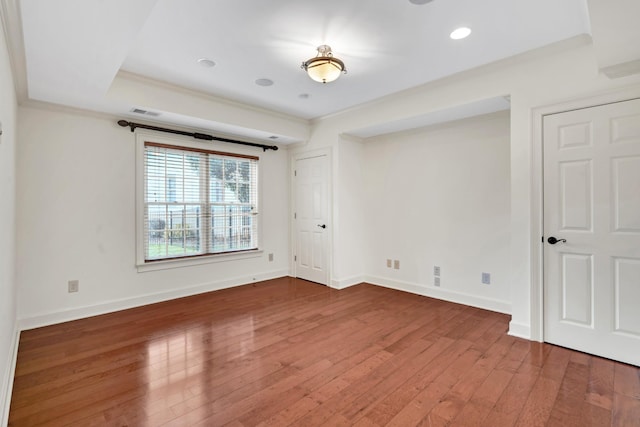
195, 135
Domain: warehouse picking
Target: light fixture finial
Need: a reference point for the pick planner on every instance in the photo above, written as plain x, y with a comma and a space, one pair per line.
324, 67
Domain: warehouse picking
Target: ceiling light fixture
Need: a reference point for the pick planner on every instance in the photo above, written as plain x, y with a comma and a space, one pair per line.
324, 67
460, 33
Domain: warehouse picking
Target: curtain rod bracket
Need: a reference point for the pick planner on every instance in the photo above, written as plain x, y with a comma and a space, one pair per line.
196, 135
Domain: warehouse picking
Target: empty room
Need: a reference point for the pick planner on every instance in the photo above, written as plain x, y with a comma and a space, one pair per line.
339, 213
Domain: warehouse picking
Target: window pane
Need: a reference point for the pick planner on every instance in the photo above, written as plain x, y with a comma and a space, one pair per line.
197, 203
244, 170
230, 169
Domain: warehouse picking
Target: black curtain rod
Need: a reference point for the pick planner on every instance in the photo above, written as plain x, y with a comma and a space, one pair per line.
195, 135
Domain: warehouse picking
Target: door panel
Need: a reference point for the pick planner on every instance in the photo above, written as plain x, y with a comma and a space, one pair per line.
627, 272
592, 199
576, 195
577, 288
626, 203
311, 184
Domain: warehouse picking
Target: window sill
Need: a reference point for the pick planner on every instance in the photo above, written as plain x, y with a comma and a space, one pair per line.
188, 262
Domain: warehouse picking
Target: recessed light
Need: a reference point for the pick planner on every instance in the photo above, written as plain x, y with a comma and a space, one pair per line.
273, 137
460, 33
264, 82
419, 2
304, 96
207, 63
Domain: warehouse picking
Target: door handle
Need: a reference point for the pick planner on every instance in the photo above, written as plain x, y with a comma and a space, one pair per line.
552, 240
322, 226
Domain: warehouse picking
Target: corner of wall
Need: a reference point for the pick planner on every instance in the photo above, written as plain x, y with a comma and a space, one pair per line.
519, 330
6, 387
345, 283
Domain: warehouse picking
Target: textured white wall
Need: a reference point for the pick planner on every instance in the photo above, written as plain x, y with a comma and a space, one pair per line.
8, 112
76, 220
440, 196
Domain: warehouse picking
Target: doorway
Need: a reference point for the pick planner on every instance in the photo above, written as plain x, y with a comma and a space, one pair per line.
311, 218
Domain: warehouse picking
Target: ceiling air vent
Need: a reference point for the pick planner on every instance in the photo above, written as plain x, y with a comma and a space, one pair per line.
144, 112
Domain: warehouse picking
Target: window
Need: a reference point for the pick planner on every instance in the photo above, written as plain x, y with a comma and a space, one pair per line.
198, 202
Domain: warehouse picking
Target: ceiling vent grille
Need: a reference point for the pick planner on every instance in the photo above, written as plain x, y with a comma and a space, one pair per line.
144, 112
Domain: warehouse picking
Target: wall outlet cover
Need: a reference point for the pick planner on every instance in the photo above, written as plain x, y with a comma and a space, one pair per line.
486, 278
73, 286
436, 270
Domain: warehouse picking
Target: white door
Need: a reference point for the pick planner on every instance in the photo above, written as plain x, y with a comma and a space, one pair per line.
311, 214
592, 200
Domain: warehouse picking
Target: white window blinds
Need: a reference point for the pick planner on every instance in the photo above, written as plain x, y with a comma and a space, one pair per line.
198, 202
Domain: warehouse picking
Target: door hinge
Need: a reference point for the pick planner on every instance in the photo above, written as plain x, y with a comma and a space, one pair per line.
295, 257
295, 173
295, 215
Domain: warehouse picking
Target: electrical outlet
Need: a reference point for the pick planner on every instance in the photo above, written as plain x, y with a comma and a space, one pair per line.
396, 264
436, 281
74, 286
436, 270
388, 263
270, 257
486, 278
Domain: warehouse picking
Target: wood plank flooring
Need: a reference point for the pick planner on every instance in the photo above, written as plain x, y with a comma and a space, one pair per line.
289, 352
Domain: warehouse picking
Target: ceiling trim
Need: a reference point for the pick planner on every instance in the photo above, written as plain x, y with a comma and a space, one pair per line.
114, 117
531, 55
126, 75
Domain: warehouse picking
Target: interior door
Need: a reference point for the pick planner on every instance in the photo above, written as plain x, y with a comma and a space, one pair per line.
311, 214
592, 230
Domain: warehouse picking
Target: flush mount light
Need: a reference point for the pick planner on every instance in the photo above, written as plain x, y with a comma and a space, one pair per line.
207, 63
460, 33
324, 67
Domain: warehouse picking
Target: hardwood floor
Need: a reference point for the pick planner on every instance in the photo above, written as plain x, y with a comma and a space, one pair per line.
290, 352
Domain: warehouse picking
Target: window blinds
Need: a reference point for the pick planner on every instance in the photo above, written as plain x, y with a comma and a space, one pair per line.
198, 202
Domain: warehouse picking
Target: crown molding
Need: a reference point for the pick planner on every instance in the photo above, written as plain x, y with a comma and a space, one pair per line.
147, 81
522, 58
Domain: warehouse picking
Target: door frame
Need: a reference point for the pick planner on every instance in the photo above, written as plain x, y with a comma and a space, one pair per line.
301, 155
537, 196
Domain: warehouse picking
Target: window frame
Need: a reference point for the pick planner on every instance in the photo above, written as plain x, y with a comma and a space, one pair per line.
143, 264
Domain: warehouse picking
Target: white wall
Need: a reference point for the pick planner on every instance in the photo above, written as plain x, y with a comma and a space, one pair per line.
348, 232
440, 196
8, 327
76, 220
555, 74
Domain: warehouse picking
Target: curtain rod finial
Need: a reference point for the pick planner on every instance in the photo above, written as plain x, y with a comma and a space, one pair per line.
125, 123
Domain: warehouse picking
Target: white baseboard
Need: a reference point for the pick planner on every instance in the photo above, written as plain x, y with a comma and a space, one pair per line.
123, 304
6, 388
519, 330
345, 283
490, 304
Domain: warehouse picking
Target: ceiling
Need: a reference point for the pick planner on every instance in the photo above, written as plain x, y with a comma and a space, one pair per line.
74, 50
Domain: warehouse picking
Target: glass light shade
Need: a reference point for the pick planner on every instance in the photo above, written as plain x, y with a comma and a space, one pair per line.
324, 68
